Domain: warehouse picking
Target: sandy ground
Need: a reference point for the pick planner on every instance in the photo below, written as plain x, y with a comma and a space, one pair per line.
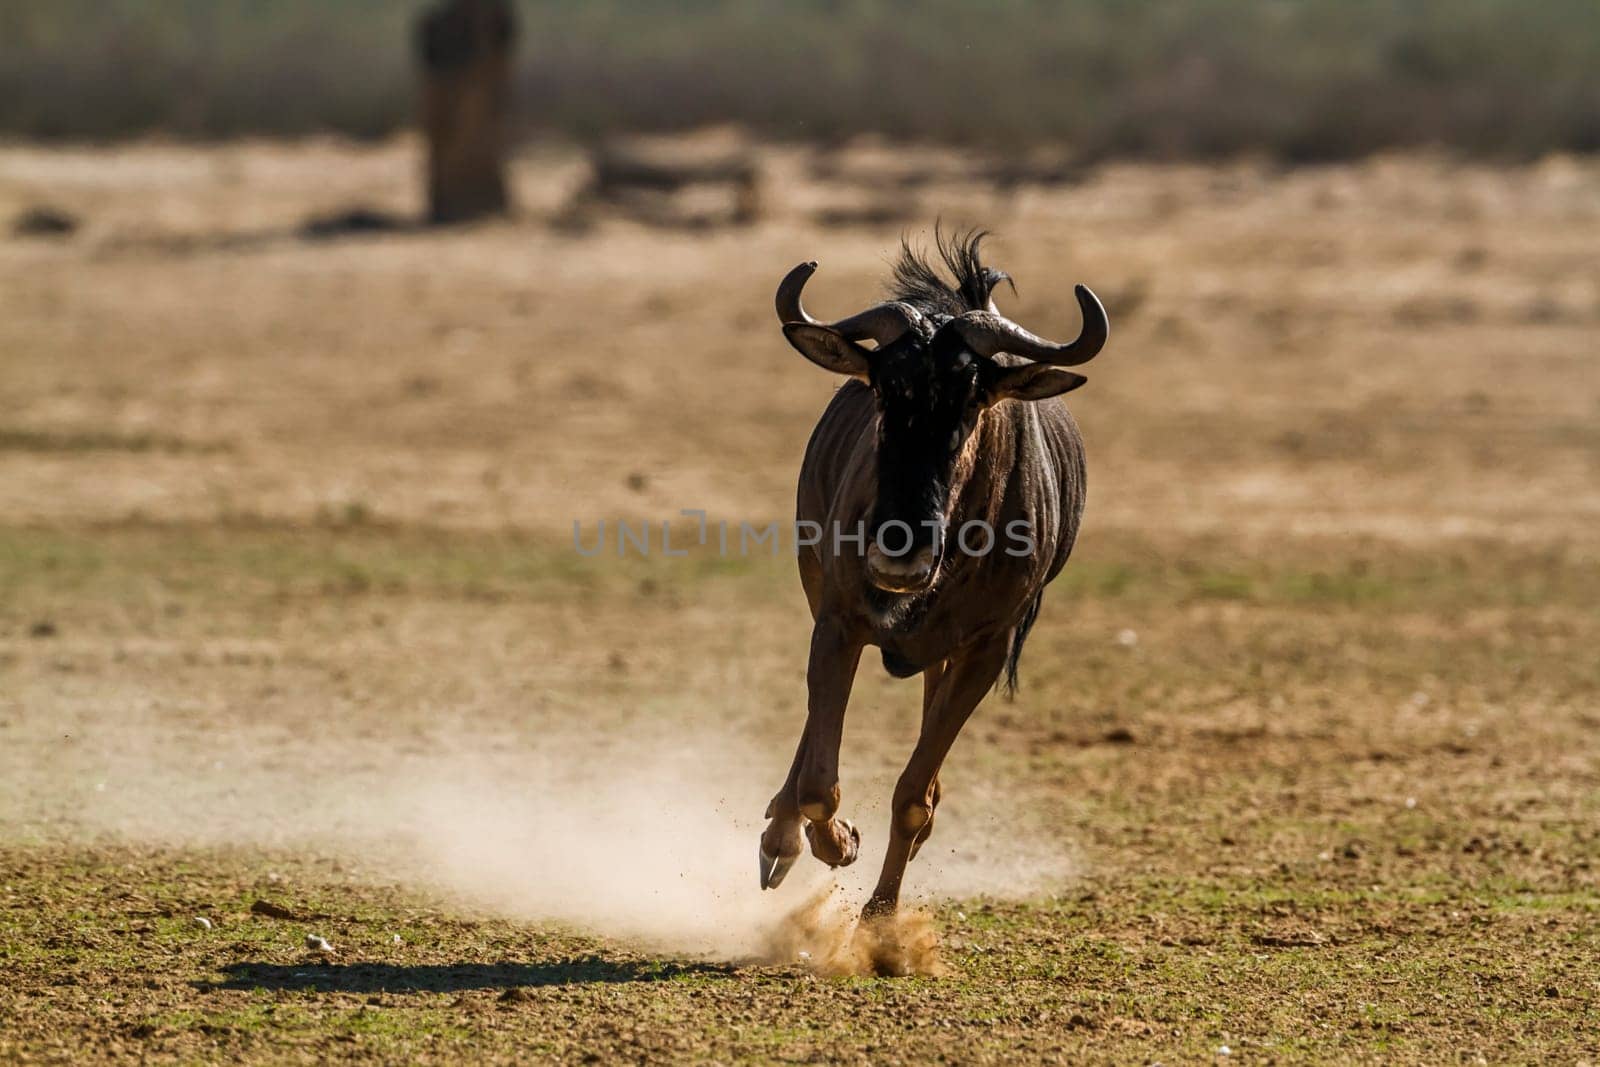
289, 610
1401, 349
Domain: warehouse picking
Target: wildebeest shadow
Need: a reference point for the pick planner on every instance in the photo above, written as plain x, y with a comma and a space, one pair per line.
452, 977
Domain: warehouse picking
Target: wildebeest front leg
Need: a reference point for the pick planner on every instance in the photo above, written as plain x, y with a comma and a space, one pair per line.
967, 678
780, 841
811, 791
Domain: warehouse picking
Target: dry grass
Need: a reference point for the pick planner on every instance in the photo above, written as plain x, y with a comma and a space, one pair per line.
287, 525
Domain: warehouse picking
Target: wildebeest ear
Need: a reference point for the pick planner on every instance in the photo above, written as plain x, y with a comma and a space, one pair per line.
829, 349
1032, 381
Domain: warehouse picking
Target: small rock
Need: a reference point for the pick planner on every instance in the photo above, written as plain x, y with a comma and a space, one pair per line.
43, 628
202, 922
353, 220
1127, 638
271, 910
318, 944
1224, 1050
396, 939
1119, 735
43, 221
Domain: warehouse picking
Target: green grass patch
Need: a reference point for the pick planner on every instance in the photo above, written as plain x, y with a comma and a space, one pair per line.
70, 441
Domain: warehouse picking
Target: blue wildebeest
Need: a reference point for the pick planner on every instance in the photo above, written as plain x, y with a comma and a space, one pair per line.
951, 426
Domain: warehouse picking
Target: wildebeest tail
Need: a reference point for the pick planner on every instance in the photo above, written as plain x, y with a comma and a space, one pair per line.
1018, 636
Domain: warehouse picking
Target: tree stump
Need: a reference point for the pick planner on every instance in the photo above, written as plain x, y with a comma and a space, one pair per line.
465, 50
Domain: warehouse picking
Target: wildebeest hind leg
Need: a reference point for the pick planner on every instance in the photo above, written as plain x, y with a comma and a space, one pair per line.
968, 677
930, 687
927, 827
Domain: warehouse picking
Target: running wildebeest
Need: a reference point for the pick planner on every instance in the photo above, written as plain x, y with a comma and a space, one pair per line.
950, 426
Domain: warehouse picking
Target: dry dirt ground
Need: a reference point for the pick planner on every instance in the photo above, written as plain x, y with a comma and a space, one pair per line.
294, 639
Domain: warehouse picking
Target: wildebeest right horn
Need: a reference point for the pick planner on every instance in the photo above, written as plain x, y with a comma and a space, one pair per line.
989, 333
884, 323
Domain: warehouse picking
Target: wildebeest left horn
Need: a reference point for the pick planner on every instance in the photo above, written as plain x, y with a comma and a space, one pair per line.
989, 333
884, 323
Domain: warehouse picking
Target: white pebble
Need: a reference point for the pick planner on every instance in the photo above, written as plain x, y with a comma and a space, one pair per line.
1127, 638
1224, 1050
318, 944
396, 939
1411, 802
202, 922
803, 954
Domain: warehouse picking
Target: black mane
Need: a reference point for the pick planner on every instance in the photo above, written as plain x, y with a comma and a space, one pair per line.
918, 283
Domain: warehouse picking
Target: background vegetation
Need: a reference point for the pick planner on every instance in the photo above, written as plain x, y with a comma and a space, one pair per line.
1300, 79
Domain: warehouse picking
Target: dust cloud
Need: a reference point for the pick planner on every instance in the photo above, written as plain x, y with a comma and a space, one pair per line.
651, 839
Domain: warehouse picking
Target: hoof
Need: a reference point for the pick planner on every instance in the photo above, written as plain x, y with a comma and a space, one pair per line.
878, 909
774, 868
836, 842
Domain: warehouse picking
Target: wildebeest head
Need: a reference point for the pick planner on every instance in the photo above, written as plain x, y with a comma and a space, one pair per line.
933, 373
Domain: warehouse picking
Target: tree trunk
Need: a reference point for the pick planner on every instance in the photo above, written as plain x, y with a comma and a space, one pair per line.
465, 48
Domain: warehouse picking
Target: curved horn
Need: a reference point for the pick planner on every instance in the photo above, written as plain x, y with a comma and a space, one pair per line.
884, 323
989, 332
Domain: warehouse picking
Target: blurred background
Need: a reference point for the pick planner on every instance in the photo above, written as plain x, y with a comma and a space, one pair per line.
1295, 80
321, 323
